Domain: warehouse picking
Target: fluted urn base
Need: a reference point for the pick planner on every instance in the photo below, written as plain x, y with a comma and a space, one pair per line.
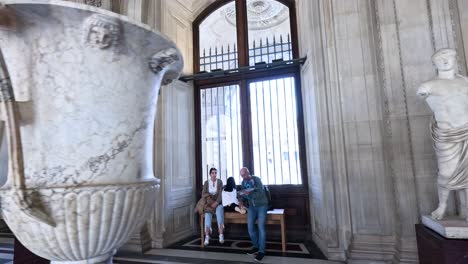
91, 222
105, 259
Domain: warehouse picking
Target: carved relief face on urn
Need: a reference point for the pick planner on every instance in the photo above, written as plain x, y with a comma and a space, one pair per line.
445, 60
101, 32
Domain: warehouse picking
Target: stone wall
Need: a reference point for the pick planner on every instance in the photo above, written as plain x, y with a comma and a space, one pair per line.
372, 169
173, 218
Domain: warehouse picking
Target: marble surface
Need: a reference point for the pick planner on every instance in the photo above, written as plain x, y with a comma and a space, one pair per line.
93, 102
86, 83
371, 165
451, 227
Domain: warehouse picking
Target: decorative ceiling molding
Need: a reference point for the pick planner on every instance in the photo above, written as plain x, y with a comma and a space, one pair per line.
261, 14
199, 5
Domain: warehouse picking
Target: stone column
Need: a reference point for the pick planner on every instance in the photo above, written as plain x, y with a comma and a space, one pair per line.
459, 20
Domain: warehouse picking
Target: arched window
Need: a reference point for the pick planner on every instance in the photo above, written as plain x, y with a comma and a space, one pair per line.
248, 100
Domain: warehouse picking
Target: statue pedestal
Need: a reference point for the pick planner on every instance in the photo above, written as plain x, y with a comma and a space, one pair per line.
451, 227
436, 249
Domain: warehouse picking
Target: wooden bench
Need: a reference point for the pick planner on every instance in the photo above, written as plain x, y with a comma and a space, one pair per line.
274, 217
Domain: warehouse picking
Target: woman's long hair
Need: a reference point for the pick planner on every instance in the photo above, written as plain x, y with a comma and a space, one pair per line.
230, 185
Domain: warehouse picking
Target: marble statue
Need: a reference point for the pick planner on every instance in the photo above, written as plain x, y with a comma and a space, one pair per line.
447, 96
78, 94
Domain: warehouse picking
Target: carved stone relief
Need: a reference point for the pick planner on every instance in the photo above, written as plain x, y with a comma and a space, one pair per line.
101, 32
162, 60
5, 90
97, 3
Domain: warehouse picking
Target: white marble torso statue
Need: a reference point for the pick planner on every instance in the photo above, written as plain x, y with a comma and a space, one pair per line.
447, 96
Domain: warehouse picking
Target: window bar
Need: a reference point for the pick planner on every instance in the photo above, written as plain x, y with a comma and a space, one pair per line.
218, 130
209, 56
293, 97
281, 48
271, 125
228, 57
228, 60
258, 125
279, 131
223, 112
264, 129
216, 58
261, 51
274, 46
206, 118
292, 141
235, 57
204, 58
212, 114
211, 101
254, 53
239, 153
230, 127
267, 47
222, 57
287, 130
202, 114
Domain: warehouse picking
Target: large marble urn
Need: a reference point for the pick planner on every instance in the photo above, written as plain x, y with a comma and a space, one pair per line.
79, 91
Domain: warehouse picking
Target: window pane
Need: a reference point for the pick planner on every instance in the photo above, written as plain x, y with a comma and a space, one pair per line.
218, 39
274, 131
221, 132
269, 31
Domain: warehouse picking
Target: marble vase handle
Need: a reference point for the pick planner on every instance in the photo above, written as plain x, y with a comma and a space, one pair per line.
169, 63
16, 163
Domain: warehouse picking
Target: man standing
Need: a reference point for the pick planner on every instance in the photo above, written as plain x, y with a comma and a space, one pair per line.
252, 191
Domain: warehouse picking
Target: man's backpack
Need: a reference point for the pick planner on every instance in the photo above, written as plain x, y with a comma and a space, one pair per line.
268, 195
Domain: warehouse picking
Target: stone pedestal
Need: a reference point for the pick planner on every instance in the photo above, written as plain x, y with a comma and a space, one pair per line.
451, 227
23, 255
436, 249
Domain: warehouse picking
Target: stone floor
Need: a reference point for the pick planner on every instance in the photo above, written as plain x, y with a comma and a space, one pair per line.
173, 256
177, 256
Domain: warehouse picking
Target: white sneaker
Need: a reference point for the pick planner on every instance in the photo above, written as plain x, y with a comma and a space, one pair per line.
207, 240
242, 211
221, 239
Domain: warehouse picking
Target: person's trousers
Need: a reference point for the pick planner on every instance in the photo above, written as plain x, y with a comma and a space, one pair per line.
219, 217
258, 237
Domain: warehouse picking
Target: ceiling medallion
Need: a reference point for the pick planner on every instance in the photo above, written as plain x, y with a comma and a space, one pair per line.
261, 14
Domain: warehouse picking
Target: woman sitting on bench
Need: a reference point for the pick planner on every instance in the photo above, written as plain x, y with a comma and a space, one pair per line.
210, 203
229, 197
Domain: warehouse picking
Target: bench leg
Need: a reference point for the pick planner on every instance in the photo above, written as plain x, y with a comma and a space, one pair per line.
202, 224
283, 235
